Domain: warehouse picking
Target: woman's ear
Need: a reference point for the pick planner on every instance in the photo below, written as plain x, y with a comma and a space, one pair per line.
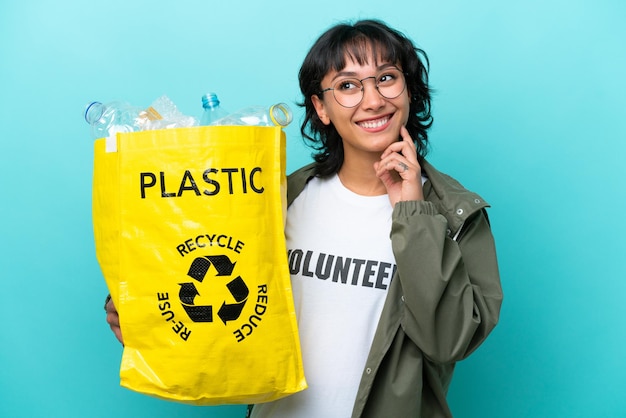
320, 109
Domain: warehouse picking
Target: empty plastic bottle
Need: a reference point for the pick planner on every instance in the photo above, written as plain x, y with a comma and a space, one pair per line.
212, 109
108, 119
279, 114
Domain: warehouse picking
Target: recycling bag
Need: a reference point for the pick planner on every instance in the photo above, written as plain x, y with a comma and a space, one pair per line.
189, 235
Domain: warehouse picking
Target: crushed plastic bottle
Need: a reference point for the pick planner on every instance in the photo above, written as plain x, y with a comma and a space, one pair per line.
113, 117
171, 117
279, 114
107, 119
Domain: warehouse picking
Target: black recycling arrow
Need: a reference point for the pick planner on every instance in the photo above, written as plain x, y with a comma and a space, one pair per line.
200, 266
199, 313
230, 312
187, 293
222, 264
239, 290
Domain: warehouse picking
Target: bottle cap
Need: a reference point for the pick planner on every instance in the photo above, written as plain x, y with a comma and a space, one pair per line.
210, 100
93, 112
281, 114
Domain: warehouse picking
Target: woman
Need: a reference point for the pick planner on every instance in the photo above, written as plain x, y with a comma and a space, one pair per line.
393, 263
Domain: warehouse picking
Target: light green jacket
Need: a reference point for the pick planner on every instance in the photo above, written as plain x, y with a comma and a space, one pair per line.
442, 303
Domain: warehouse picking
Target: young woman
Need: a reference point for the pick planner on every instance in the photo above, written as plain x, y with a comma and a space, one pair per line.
393, 263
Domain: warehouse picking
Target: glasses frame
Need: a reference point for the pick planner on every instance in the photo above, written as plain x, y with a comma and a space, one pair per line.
375, 77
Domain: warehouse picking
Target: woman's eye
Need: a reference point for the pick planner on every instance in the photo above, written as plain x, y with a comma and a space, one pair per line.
386, 78
347, 85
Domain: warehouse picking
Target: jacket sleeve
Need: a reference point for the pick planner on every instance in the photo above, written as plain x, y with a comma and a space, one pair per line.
451, 289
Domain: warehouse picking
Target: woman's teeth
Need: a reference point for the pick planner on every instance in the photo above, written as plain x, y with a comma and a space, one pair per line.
371, 124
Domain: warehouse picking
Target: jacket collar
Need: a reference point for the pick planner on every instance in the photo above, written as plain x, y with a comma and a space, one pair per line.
452, 200
297, 180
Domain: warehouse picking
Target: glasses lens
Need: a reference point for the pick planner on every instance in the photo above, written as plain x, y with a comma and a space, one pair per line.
390, 84
349, 92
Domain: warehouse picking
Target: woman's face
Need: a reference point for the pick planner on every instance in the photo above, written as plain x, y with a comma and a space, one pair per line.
372, 125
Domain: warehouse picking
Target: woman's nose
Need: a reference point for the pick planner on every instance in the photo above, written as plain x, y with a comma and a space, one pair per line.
371, 96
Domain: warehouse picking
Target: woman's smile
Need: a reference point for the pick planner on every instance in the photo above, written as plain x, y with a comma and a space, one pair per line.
375, 124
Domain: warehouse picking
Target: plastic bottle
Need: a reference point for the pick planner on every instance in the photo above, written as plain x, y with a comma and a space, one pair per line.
279, 114
212, 110
166, 115
108, 119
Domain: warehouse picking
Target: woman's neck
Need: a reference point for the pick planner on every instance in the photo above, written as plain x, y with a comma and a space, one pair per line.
358, 176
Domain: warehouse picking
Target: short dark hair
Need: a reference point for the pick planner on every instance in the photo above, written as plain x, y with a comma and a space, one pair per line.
357, 41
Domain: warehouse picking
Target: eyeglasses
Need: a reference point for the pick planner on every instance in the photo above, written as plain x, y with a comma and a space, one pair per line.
348, 92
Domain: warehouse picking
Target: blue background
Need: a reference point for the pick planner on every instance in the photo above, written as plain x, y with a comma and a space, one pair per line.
530, 111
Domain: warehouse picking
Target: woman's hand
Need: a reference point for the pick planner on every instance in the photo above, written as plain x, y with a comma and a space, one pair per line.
113, 320
399, 170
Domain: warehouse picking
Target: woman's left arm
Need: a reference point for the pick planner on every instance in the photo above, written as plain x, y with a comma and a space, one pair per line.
451, 288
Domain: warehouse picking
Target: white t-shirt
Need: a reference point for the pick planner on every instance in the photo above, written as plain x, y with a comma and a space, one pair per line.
341, 265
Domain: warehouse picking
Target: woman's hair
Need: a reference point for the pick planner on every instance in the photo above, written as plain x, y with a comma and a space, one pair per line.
359, 42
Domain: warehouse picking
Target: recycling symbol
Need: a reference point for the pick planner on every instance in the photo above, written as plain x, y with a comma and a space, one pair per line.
198, 271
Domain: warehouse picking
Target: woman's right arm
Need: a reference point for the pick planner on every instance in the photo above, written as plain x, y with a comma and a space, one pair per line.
113, 319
